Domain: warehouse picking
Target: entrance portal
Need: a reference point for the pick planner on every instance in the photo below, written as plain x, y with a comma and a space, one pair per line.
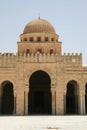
7, 98
72, 98
39, 95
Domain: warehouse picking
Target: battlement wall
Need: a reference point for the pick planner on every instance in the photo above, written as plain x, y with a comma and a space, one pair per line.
7, 60
38, 57
10, 59
72, 59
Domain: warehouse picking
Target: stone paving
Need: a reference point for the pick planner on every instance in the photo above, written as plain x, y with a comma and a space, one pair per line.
43, 123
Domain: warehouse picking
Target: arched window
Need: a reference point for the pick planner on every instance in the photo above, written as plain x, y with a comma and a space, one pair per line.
31, 39
51, 51
39, 39
27, 51
46, 39
25, 39
39, 50
52, 39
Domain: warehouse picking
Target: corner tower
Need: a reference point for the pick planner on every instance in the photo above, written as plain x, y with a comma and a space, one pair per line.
39, 36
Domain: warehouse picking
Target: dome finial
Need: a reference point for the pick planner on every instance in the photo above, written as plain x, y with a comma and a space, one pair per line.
39, 16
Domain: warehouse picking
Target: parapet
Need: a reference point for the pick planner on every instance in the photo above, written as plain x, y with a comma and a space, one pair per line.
36, 57
10, 59
7, 60
72, 59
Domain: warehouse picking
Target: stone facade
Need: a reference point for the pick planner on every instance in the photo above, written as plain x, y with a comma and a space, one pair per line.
38, 72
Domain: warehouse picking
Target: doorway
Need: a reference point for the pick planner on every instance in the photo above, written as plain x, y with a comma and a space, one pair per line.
7, 98
39, 101
72, 98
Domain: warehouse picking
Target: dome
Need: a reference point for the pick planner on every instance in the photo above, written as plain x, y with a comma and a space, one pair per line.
39, 26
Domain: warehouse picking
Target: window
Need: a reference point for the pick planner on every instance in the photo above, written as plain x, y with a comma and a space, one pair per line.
25, 39
39, 50
39, 39
51, 51
31, 39
27, 51
52, 39
46, 39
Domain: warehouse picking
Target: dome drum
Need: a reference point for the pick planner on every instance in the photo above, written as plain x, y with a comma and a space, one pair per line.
33, 37
39, 33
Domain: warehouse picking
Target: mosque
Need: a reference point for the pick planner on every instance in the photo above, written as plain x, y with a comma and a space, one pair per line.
39, 79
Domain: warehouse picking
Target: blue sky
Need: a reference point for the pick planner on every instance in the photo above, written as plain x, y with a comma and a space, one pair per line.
69, 18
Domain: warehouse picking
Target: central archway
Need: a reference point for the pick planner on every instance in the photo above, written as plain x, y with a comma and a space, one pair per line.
39, 101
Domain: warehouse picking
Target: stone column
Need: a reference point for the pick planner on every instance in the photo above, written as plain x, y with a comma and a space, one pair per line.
14, 111
53, 101
26, 100
64, 101
84, 112
81, 103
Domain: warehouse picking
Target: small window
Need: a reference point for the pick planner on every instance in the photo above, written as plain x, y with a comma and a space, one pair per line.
27, 51
51, 51
31, 39
39, 50
25, 39
52, 39
46, 39
39, 39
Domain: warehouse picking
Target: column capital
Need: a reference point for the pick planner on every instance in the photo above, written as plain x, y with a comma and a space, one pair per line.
26, 89
53, 90
82, 92
14, 92
65, 91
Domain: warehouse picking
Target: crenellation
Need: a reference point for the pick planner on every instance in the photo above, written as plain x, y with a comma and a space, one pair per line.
7, 60
72, 59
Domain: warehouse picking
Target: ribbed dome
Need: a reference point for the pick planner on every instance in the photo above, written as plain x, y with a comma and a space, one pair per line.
39, 26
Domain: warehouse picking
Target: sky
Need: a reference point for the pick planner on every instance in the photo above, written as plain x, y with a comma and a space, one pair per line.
68, 17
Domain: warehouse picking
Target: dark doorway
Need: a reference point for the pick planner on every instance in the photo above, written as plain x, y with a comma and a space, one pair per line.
39, 95
71, 98
86, 98
7, 100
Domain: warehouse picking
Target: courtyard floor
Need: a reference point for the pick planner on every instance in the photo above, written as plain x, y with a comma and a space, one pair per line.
43, 123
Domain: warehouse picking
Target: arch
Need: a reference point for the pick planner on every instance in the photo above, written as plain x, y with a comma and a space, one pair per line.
7, 98
25, 39
86, 98
46, 39
51, 51
72, 95
39, 49
39, 101
27, 51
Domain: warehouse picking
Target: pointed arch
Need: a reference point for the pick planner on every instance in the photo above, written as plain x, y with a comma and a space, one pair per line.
39, 93
72, 96
7, 98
